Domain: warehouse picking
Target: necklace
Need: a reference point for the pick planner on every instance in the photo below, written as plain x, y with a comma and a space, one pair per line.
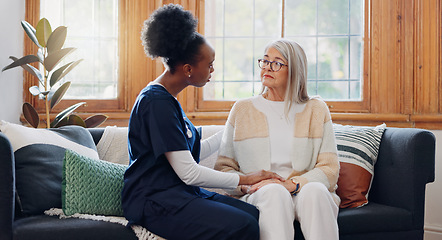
269, 103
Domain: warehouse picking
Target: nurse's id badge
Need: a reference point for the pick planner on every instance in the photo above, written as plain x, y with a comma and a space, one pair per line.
189, 133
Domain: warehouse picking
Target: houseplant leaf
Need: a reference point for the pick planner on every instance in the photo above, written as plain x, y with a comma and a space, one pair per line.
63, 122
56, 39
95, 120
24, 60
59, 93
31, 69
58, 74
30, 31
74, 119
34, 90
30, 114
55, 57
43, 31
65, 113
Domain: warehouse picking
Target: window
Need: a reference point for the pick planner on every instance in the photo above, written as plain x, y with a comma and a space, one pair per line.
93, 30
399, 41
331, 32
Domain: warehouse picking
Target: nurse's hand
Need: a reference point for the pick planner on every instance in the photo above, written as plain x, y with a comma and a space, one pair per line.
254, 177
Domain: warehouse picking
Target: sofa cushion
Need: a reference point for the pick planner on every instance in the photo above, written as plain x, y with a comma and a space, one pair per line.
358, 149
374, 217
91, 186
53, 228
39, 157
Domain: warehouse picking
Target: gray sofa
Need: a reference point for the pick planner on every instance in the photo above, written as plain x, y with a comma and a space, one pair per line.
405, 165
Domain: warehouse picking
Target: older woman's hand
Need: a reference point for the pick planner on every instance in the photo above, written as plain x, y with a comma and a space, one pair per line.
289, 185
255, 177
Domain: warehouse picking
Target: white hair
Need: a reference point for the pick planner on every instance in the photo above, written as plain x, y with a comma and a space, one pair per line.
293, 53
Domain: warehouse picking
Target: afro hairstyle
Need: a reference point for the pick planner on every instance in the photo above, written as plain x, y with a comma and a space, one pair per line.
170, 33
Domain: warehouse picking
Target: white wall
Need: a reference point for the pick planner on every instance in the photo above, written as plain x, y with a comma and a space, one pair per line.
433, 206
13, 11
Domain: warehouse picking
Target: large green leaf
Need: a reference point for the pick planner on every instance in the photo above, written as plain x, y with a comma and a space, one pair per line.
31, 69
76, 120
95, 120
57, 39
30, 31
43, 31
58, 95
72, 119
24, 60
65, 113
58, 74
62, 122
55, 57
30, 114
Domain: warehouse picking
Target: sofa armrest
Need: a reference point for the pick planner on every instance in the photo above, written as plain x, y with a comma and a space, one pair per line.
7, 188
405, 165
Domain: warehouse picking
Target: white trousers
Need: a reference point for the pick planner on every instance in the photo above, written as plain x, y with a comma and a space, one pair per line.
313, 207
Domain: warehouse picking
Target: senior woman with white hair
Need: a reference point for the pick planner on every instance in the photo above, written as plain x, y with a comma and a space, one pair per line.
285, 131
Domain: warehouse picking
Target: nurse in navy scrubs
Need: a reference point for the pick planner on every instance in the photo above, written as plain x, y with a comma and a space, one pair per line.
162, 184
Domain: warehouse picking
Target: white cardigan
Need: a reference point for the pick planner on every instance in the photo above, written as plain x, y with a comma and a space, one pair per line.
245, 145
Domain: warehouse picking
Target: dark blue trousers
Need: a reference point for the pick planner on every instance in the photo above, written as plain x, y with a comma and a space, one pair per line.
218, 217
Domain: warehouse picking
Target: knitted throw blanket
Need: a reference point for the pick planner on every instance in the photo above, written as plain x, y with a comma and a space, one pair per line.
140, 232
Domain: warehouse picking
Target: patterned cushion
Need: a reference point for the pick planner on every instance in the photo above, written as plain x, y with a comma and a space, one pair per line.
91, 186
357, 151
39, 157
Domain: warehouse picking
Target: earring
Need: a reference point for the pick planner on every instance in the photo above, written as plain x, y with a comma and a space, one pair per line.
189, 75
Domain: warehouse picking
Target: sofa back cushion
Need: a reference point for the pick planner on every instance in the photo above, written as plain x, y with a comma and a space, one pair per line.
39, 157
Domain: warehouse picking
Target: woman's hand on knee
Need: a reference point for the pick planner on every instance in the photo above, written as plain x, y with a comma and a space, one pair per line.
257, 186
255, 177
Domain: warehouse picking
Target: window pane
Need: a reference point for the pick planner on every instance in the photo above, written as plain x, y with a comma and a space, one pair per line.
237, 90
356, 48
332, 58
333, 90
238, 56
333, 16
268, 18
238, 18
300, 18
356, 17
214, 18
93, 30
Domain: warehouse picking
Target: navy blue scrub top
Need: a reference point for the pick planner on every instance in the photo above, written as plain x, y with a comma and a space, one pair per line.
157, 125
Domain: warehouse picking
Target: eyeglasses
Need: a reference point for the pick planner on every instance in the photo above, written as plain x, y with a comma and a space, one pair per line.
274, 66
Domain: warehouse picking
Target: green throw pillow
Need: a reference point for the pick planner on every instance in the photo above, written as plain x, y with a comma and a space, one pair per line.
91, 186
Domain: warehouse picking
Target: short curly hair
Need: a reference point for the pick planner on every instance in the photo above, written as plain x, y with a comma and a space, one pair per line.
170, 33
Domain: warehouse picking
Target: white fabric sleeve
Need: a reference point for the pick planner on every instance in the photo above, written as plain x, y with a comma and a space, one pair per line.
211, 144
194, 174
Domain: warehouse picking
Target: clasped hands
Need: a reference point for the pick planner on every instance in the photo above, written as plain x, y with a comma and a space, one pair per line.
252, 182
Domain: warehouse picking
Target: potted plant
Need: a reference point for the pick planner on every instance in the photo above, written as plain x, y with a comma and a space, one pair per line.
49, 55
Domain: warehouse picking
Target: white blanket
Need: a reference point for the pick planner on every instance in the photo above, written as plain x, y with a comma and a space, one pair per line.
112, 146
140, 232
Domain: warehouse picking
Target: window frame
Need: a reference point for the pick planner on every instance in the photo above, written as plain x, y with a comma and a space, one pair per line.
401, 71
202, 105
